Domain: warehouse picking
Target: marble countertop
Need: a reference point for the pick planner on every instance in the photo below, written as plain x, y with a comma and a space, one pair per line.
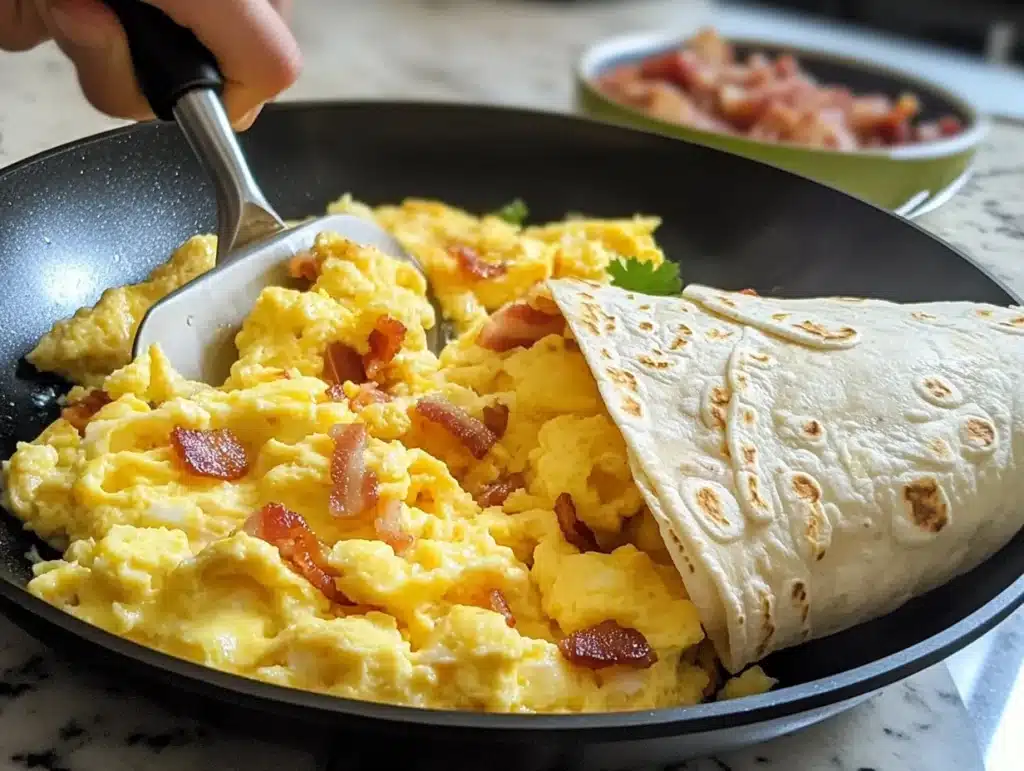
954, 716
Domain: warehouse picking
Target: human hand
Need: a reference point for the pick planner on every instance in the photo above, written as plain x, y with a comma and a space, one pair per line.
250, 39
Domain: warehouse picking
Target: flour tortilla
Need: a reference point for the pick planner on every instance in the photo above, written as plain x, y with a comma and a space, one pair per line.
812, 464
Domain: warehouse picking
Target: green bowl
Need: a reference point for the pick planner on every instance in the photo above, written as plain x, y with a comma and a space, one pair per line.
898, 178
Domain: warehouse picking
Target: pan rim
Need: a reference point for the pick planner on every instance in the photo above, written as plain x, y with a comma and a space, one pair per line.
781, 703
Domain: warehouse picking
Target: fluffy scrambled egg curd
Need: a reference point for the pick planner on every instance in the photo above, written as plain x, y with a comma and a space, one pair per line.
352, 515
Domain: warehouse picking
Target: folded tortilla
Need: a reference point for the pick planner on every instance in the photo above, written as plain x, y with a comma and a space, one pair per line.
812, 464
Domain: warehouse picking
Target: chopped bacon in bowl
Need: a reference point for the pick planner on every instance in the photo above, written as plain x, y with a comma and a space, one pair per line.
298, 545
342, 363
385, 342
575, 531
81, 412
495, 493
304, 266
496, 418
608, 644
215, 454
473, 265
518, 324
388, 526
708, 86
354, 486
470, 432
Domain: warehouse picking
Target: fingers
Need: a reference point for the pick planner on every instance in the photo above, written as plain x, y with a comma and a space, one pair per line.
21, 28
90, 35
253, 45
249, 38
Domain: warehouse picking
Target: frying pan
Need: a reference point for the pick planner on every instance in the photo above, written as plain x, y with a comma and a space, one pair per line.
105, 210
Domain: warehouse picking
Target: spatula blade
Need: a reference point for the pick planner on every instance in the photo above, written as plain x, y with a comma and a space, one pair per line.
196, 325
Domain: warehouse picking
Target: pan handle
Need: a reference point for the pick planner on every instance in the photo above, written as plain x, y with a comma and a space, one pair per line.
169, 60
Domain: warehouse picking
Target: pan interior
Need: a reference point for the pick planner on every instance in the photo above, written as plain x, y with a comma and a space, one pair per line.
106, 211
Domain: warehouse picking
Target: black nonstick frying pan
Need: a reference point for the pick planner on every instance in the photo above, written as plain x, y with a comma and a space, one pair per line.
105, 210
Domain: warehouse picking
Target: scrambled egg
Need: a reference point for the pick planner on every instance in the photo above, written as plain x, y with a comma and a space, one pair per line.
158, 554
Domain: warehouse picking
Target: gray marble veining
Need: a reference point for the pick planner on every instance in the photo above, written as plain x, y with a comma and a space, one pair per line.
507, 51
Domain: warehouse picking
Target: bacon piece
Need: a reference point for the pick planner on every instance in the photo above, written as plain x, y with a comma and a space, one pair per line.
304, 265
575, 531
608, 644
751, 292
216, 454
497, 602
369, 393
518, 324
950, 125
471, 433
355, 488
81, 412
496, 418
472, 264
385, 341
343, 363
298, 546
388, 526
497, 491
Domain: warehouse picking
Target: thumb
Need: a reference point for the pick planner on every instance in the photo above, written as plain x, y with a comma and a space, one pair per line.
90, 35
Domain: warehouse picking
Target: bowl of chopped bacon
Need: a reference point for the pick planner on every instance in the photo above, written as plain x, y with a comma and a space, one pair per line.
883, 135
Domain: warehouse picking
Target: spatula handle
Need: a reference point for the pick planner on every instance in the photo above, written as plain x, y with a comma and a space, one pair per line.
169, 60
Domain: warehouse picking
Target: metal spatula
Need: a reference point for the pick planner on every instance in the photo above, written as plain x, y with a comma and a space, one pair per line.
196, 325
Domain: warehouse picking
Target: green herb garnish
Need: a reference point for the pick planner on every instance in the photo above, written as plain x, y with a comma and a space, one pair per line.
637, 276
514, 213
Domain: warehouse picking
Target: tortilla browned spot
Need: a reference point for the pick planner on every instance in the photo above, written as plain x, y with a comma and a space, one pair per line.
707, 500
718, 334
813, 429
678, 343
646, 326
806, 489
754, 488
767, 623
742, 381
925, 501
984, 312
763, 358
622, 378
1016, 321
605, 353
590, 317
726, 301
817, 330
647, 361
749, 454
937, 388
979, 433
780, 316
685, 330
922, 316
719, 398
799, 595
940, 448
645, 307
749, 417
631, 406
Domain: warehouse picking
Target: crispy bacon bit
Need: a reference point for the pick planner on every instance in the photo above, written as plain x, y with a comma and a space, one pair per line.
497, 491
336, 392
472, 264
471, 433
81, 412
575, 531
388, 526
751, 292
496, 418
216, 454
385, 341
298, 545
518, 324
608, 644
304, 265
343, 363
497, 602
355, 488
369, 393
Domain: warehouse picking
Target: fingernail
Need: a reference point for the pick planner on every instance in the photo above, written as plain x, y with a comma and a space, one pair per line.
81, 22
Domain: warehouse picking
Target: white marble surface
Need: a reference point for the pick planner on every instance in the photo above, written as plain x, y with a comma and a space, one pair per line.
52, 717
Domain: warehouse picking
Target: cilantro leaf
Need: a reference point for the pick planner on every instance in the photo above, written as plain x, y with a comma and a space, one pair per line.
514, 212
634, 275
